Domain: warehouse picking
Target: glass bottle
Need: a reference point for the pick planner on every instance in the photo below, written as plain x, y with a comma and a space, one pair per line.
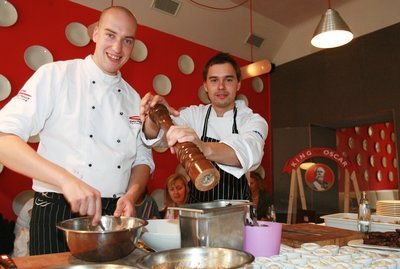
364, 214
271, 213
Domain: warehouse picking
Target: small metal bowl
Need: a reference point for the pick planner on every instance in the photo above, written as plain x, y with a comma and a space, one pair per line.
196, 257
115, 238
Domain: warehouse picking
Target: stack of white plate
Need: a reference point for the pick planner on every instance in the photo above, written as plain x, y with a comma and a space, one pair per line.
388, 208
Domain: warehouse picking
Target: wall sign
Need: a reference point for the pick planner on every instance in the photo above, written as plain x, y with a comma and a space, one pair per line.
299, 158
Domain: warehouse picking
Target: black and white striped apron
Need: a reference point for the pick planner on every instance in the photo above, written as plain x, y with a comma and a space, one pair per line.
229, 187
50, 208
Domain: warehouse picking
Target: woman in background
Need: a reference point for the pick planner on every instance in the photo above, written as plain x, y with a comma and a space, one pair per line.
259, 196
176, 194
146, 208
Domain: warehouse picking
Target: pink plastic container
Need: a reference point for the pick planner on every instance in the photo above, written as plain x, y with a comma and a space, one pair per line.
263, 240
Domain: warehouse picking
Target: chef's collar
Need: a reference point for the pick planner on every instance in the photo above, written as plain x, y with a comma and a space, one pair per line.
98, 74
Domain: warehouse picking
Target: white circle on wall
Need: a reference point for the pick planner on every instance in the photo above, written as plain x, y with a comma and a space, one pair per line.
366, 175
372, 161
384, 161
20, 200
77, 34
382, 133
186, 64
8, 14
365, 144
139, 52
350, 142
242, 97
162, 84
388, 148
34, 139
359, 159
203, 96
90, 29
5, 87
257, 84
36, 56
391, 176
160, 149
377, 147
370, 131
379, 175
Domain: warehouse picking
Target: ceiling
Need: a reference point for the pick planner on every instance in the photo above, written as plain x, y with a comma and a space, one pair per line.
285, 25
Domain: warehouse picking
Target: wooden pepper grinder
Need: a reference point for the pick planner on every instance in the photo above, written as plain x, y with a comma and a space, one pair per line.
200, 170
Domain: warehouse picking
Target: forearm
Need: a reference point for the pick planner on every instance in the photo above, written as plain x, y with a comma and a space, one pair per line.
220, 153
138, 181
150, 129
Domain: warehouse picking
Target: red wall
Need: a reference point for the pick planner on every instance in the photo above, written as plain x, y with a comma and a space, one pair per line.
43, 23
372, 150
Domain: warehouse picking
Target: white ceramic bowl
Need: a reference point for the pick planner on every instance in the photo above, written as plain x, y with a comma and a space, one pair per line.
162, 234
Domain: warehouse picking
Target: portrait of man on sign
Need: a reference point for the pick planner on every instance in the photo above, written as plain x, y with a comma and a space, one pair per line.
319, 177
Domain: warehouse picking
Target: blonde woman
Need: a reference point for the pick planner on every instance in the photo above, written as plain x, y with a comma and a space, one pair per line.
176, 194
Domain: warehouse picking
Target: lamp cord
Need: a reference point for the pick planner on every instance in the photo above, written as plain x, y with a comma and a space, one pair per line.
251, 30
219, 8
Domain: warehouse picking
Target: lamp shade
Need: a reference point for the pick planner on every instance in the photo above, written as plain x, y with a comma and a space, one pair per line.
255, 69
331, 31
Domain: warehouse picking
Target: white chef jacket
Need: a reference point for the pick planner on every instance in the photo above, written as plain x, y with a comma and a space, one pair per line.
248, 144
88, 123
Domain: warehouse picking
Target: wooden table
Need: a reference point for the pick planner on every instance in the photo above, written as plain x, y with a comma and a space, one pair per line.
65, 258
296, 234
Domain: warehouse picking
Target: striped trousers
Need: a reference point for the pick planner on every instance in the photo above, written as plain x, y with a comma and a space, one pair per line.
50, 208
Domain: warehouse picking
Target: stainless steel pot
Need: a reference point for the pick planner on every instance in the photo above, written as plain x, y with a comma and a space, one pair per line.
213, 224
195, 257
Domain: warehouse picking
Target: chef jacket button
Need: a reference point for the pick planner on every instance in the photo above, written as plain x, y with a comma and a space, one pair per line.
90, 165
93, 82
121, 113
93, 107
119, 166
91, 136
118, 141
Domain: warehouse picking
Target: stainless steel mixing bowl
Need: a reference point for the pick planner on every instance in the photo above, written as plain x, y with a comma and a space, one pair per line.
115, 238
195, 257
94, 266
